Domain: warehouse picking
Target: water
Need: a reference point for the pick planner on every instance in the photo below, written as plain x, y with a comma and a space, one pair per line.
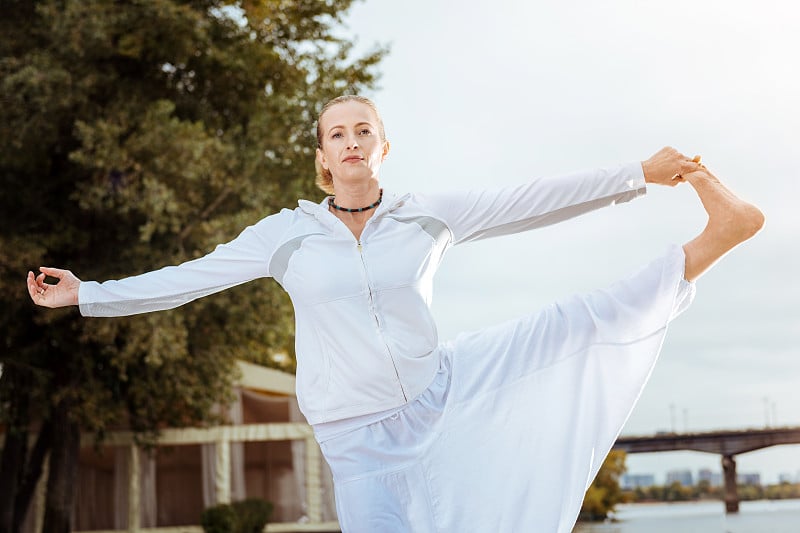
782, 516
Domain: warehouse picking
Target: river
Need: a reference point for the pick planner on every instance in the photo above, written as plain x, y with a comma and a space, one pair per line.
780, 516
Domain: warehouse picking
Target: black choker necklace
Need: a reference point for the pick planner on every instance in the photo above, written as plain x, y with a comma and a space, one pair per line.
358, 209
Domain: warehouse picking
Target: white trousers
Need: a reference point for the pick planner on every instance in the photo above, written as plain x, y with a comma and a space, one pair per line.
517, 421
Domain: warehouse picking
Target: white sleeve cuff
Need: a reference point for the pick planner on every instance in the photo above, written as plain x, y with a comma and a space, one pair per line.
635, 174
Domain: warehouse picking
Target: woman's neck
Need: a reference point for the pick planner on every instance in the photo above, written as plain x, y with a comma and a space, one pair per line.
356, 195
353, 197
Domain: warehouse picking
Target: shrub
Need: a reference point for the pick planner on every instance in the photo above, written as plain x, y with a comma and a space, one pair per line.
252, 515
219, 519
247, 516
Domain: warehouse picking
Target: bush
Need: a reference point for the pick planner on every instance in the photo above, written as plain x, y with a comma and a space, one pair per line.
247, 516
219, 519
252, 514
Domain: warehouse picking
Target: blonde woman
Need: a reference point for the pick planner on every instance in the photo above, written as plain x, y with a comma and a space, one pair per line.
501, 429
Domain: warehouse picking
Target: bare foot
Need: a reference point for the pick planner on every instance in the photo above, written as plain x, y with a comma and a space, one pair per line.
731, 221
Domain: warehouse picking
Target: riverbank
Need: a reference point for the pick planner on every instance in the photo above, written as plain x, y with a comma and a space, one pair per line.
775, 516
676, 492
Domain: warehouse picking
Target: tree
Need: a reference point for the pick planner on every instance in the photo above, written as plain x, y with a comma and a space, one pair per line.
604, 492
139, 134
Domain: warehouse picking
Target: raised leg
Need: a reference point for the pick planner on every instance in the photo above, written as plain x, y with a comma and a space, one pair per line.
731, 221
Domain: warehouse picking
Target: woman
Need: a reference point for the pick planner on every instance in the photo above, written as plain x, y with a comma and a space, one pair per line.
499, 430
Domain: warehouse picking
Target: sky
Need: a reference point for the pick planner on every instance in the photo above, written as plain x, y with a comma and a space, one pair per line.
478, 94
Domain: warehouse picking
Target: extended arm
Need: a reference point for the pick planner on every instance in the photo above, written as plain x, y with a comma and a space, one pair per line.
241, 260
473, 215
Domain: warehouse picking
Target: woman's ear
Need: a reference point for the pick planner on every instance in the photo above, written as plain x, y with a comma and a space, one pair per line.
386, 147
321, 158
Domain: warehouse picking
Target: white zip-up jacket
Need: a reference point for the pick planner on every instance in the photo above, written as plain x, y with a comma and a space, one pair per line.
365, 337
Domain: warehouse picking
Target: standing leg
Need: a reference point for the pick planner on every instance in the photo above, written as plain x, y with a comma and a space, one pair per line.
731, 221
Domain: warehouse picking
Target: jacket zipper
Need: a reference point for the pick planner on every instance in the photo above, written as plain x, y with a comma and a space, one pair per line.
377, 322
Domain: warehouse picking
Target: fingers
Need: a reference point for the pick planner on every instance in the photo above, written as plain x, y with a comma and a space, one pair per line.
670, 151
688, 166
685, 166
37, 289
670, 167
36, 283
676, 157
41, 292
54, 272
60, 294
61, 275
33, 289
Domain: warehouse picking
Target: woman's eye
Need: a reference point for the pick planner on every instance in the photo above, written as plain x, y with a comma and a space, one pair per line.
336, 135
364, 132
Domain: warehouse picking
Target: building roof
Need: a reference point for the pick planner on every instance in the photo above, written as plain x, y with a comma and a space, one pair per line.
266, 380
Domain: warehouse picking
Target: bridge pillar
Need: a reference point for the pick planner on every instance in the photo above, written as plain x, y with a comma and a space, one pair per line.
729, 473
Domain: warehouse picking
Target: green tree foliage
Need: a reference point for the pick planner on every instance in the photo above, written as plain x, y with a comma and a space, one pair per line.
135, 135
782, 491
604, 492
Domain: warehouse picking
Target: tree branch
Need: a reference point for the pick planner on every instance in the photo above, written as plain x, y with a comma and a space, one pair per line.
206, 213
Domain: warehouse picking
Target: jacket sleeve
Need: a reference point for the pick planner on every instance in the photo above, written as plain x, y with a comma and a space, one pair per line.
478, 214
243, 259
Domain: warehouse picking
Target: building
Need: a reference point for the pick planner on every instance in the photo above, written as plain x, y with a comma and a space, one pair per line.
714, 479
635, 481
684, 477
267, 451
748, 479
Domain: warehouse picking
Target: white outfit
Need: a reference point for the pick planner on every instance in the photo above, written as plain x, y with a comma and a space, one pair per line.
365, 337
518, 420
499, 430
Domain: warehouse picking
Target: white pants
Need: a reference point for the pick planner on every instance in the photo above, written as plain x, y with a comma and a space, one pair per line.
517, 421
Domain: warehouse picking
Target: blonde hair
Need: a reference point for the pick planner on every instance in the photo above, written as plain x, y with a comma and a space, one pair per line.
324, 177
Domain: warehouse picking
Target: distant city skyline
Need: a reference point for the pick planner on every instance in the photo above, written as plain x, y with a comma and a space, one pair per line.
688, 477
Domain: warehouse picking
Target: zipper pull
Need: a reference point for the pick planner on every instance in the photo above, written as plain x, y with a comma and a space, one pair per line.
359, 246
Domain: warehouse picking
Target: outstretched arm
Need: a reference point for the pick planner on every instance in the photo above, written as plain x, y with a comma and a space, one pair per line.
478, 214
243, 259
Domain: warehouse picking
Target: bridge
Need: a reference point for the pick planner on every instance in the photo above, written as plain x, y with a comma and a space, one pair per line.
727, 443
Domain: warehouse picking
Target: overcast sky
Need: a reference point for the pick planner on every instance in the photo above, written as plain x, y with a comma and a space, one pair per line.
487, 93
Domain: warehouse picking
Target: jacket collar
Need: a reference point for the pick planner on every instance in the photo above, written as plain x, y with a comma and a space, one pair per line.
320, 211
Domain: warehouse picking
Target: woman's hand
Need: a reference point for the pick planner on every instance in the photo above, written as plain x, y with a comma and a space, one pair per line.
61, 294
667, 167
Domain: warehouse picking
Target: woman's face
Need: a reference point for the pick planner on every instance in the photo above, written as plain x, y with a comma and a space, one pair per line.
352, 149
